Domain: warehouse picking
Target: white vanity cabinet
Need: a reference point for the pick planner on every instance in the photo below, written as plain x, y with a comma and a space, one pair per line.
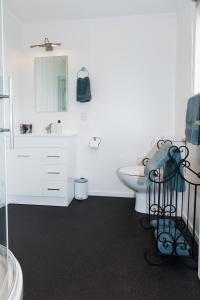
41, 170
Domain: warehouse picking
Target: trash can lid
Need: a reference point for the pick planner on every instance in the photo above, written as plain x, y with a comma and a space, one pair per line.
81, 180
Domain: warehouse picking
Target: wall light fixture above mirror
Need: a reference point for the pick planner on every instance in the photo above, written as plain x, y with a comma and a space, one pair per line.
51, 88
49, 46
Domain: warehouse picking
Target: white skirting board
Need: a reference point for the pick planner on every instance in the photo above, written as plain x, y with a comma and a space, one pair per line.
196, 238
29, 200
111, 194
59, 201
199, 265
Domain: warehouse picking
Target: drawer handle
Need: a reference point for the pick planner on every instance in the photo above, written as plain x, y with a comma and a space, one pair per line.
54, 156
23, 155
52, 173
53, 189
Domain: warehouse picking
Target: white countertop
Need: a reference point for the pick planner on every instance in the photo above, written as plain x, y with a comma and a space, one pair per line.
66, 134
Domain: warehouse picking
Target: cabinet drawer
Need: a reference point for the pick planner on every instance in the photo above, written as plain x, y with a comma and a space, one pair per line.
54, 173
55, 189
54, 156
23, 153
24, 175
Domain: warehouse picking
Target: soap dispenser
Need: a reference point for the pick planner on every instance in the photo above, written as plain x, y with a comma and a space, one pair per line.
54, 128
59, 127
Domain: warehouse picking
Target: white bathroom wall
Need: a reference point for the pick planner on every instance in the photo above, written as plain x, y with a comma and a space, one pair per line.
132, 64
185, 74
185, 83
13, 60
184, 79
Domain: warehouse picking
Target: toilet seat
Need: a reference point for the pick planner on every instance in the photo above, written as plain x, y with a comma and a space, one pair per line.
133, 171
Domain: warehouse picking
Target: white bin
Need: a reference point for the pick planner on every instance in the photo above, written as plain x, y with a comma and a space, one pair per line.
81, 189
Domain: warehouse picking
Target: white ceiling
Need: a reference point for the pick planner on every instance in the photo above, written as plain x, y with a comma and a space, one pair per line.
55, 10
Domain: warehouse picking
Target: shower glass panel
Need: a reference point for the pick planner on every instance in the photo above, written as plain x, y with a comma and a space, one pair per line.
3, 204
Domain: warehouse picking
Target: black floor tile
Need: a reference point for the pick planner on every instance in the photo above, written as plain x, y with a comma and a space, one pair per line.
92, 250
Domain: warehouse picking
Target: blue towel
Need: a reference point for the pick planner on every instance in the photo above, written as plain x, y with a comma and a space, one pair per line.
161, 223
162, 159
158, 159
83, 91
172, 242
177, 182
192, 131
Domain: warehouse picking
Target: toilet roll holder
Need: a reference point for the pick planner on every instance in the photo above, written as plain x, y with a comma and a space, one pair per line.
95, 142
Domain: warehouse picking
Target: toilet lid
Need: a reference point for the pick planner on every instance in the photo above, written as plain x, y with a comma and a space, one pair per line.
133, 171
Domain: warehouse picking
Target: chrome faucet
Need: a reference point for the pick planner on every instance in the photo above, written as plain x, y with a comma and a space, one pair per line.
48, 128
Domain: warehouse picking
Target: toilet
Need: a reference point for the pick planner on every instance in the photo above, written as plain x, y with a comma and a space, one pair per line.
133, 177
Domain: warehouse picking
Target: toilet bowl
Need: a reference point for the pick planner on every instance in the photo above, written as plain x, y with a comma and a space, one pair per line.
133, 177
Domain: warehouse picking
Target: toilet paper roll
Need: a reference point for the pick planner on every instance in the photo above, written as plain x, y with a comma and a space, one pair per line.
94, 142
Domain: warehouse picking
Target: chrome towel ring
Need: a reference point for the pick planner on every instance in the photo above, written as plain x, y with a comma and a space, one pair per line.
83, 70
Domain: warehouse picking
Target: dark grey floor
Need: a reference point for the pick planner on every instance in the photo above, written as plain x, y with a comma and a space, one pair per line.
92, 250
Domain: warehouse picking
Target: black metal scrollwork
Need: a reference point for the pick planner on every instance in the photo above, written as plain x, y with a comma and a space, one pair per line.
172, 210
145, 161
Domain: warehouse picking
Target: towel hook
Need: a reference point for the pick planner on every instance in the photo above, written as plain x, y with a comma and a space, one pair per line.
83, 69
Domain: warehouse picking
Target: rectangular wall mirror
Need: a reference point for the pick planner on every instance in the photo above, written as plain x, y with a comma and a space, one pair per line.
51, 90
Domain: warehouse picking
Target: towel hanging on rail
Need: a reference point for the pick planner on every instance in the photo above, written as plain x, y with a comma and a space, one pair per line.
169, 163
192, 130
83, 89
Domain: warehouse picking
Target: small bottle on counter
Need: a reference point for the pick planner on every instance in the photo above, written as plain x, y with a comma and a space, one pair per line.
59, 127
54, 128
